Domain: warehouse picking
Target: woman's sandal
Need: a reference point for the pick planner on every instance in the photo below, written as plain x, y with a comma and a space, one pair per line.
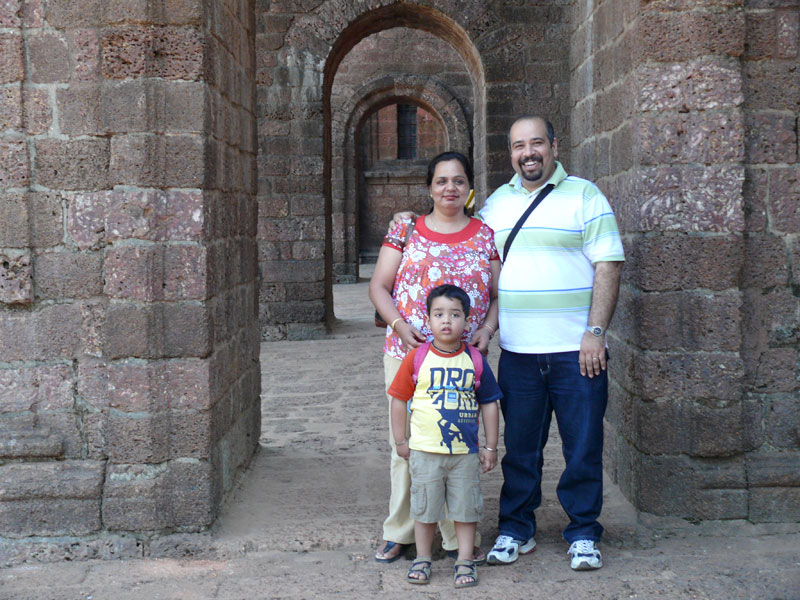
387, 547
420, 565
465, 568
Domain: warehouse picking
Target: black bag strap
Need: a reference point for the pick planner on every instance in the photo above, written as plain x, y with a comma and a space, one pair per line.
536, 202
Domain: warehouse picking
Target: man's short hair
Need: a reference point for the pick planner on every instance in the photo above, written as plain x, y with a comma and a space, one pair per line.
551, 133
449, 291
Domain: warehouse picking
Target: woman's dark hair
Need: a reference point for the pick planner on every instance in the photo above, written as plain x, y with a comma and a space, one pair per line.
449, 291
444, 157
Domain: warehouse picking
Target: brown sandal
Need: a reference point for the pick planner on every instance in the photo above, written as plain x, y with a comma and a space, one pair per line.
465, 568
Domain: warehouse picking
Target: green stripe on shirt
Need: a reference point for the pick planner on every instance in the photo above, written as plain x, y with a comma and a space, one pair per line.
545, 301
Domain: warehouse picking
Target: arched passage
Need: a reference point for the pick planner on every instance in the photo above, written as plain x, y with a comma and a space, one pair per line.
348, 121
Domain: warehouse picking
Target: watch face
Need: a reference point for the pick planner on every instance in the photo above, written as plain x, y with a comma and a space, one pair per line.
598, 331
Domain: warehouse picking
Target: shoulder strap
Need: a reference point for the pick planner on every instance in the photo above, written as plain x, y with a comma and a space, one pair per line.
477, 361
539, 197
409, 231
419, 356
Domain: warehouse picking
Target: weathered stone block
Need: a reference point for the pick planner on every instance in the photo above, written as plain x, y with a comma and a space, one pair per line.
16, 278
30, 444
187, 330
771, 34
777, 371
139, 51
680, 486
12, 58
11, 108
69, 275
50, 498
38, 116
771, 505
79, 108
677, 36
765, 262
134, 272
137, 438
694, 138
696, 85
43, 388
14, 167
691, 321
771, 85
84, 47
126, 331
771, 138
151, 497
13, 220
679, 261
707, 376
784, 200
773, 470
48, 57
782, 422
72, 164
152, 160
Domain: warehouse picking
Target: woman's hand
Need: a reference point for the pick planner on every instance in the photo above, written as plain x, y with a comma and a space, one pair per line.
480, 339
411, 337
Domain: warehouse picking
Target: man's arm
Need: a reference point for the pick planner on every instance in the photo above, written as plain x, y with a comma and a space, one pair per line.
605, 292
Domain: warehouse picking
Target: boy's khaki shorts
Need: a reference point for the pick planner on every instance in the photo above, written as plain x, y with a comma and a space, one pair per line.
439, 480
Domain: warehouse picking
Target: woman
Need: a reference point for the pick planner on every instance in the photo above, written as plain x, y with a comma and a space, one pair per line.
445, 246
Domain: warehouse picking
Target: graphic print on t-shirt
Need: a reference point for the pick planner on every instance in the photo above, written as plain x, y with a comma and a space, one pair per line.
452, 393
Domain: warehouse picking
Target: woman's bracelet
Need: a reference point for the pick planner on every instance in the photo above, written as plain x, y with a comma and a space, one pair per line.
490, 449
395, 321
403, 443
489, 327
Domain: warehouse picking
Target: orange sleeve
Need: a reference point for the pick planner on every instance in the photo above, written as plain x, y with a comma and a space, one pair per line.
403, 385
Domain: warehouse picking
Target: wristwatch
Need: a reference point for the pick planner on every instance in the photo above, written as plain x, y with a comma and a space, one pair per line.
595, 330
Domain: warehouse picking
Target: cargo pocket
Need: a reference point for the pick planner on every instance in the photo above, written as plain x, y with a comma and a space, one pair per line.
477, 503
419, 501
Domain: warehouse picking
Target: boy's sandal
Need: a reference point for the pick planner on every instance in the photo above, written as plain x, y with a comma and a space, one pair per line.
465, 568
388, 547
420, 565
478, 555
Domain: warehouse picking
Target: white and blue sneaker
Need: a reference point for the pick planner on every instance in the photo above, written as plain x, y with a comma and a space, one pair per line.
506, 550
585, 555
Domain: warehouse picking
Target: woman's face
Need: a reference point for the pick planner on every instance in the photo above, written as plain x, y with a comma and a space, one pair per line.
450, 186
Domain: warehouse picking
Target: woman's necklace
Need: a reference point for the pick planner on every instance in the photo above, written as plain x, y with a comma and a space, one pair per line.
446, 351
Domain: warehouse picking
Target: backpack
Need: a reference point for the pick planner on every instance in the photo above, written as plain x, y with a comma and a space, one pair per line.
474, 354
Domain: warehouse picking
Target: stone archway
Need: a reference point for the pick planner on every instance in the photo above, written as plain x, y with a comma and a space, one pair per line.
426, 92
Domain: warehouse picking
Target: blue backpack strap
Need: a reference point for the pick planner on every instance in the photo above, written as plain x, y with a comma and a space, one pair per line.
419, 356
477, 362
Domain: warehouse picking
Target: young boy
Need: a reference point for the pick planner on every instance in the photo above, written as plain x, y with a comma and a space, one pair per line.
443, 448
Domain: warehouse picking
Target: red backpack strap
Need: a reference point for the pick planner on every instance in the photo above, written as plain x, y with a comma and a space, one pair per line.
419, 356
477, 362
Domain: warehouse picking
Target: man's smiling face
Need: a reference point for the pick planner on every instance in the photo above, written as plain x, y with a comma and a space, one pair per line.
533, 157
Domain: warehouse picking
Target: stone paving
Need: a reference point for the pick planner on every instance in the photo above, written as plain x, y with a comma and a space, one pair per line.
304, 521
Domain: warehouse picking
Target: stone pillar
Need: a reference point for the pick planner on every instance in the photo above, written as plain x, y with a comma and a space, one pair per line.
663, 95
132, 375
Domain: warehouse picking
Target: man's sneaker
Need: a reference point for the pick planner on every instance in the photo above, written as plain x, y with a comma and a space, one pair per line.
585, 555
506, 550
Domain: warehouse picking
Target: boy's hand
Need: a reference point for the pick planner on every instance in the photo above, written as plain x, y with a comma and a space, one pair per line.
488, 460
403, 451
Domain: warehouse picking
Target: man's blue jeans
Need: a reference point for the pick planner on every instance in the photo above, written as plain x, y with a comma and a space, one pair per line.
534, 386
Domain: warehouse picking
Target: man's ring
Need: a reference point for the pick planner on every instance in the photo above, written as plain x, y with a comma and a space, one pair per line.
595, 358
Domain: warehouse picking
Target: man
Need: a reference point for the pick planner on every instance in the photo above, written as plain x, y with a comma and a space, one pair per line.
558, 289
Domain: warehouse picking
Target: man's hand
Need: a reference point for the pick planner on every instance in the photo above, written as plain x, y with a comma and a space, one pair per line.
397, 217
592, 356
480, 339
403, 451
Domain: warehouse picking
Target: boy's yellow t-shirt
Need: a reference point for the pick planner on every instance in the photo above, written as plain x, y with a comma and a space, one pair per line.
444, 402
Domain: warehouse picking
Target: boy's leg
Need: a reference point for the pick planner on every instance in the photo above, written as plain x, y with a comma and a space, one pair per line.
423, 536
465, 532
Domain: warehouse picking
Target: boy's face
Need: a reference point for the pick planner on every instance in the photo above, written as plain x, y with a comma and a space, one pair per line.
447, 320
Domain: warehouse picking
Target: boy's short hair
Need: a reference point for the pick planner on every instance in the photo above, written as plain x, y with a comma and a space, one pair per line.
449, 291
